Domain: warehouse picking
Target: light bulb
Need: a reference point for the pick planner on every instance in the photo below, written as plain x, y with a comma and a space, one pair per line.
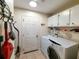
33, 3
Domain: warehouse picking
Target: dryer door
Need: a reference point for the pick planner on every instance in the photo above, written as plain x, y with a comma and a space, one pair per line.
52, 53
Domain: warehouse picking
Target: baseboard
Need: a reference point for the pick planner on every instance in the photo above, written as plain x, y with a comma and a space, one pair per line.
30, 51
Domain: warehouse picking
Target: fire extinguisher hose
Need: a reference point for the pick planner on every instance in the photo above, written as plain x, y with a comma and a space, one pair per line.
6, 34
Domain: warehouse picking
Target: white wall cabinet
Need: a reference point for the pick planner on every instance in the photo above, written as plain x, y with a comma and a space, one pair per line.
74, 16
69, 17
64, 18
60, 19
50, 21
53, 21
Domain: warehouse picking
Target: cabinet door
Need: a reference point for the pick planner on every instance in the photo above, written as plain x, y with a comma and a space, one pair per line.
50, 21
75, 16
64, 18
53, 21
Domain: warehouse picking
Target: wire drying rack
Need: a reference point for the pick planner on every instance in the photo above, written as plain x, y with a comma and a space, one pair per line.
5, 13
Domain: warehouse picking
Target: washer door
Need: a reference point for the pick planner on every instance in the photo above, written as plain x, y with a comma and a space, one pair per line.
52, 53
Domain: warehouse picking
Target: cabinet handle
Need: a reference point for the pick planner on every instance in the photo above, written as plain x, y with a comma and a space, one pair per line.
72, 23
36, 36
68, 24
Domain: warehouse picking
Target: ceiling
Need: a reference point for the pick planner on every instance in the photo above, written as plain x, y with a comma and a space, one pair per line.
46, 6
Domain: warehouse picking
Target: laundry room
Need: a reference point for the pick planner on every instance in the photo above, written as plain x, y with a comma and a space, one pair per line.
39, 29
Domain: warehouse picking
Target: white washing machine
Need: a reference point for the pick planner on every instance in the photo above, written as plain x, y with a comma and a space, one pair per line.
58, 48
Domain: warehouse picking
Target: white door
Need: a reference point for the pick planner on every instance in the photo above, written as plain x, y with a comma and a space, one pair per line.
29, 33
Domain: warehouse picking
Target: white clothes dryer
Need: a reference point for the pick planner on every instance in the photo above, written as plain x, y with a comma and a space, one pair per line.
58, 48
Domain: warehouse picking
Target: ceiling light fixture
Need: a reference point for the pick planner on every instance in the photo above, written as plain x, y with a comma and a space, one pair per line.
33, 4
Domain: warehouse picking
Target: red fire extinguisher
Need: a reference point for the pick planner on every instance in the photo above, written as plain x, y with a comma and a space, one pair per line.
7, 46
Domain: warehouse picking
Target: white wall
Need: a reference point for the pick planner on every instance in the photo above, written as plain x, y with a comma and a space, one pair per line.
37, 18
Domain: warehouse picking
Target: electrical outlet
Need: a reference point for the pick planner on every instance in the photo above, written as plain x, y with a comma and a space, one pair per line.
36, 36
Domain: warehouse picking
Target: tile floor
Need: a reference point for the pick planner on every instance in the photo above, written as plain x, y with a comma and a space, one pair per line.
32, 55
